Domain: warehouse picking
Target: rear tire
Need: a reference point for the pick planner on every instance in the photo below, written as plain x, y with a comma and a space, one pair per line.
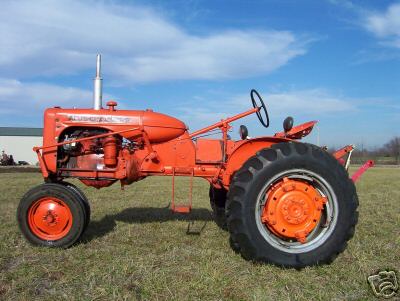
305, 163
217, 202
51, 215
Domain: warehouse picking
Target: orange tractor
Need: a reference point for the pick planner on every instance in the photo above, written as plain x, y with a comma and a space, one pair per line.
282, 201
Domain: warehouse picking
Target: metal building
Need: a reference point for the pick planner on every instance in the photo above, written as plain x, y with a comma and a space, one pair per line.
18, 142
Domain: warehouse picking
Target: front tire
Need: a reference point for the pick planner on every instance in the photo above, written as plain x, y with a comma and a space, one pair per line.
292, 205
51, 215
83, 199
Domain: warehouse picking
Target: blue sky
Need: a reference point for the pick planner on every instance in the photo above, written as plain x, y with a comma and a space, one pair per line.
334, 61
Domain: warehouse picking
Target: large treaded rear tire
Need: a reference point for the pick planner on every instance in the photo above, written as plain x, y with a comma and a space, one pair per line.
245, 190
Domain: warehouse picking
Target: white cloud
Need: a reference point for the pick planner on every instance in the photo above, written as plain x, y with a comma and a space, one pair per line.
30, 99
385, 25
301, 104
139, 44
309, 102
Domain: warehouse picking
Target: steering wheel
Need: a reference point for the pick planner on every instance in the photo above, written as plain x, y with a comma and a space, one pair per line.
262, 107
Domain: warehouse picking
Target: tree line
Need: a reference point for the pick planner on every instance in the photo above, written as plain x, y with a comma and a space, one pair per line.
389, 153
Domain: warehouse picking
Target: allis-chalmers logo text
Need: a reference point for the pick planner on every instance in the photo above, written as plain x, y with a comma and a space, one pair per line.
99, 119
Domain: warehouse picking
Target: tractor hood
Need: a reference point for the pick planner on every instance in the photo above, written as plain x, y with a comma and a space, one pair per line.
159, 127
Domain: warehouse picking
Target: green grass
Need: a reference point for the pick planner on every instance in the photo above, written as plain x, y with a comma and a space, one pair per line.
135, 248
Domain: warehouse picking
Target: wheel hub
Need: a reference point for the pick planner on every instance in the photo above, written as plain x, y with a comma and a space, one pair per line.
50, 218
292, 209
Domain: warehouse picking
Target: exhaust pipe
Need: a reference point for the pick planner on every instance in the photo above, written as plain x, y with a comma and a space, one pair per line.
98, 93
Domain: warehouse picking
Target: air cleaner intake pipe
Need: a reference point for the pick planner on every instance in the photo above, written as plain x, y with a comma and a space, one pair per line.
97, 93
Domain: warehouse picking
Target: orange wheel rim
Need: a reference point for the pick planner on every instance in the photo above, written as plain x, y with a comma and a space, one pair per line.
50, 218
292, 209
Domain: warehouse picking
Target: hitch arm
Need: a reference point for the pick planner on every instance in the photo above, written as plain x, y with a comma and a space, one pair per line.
343, 151
356, 176
348, 149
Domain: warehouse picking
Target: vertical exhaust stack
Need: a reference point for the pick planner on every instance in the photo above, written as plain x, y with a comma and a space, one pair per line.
98, 93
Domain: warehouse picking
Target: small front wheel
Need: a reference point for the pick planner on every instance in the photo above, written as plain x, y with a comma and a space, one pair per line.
83, 199
51, 215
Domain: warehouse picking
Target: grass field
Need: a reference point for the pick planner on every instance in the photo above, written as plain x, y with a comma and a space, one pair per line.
135, 248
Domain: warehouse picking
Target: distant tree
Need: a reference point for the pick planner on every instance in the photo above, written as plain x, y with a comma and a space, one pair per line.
393, 148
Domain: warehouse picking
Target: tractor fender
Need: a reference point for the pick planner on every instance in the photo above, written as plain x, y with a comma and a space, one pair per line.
244, 150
